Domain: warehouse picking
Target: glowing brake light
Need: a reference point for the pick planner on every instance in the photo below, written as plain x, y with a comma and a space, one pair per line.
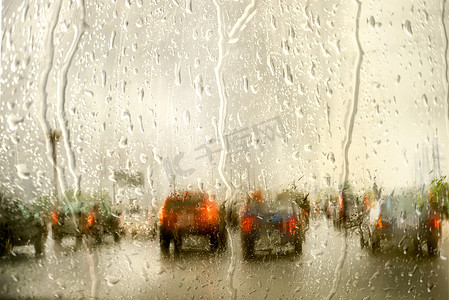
247, 224
90, 220
211, 212
436, 222
340, 202
291, 226
54, 217
379, 223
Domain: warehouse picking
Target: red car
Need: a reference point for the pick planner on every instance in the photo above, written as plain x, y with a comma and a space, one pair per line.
191, 213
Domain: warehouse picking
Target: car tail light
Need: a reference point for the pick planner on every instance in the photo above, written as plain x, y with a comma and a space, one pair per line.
90, 221
292, 227
340, 202
211, 212
248, 224
436, 223
160, 214
379, 224
54, 217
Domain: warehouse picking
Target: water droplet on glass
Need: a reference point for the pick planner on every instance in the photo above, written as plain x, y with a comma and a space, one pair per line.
123, 142
186, 117
14, 121
407, 26
178, 74
198, 86
111, 280
22, 171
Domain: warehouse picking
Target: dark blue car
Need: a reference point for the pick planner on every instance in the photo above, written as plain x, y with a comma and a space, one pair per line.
280, 222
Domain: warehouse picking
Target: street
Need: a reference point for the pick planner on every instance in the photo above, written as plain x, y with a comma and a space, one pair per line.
328, 267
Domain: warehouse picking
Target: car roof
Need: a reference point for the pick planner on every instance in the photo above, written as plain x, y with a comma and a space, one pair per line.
186, 198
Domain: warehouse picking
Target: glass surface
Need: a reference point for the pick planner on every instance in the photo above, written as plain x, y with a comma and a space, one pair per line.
108, 107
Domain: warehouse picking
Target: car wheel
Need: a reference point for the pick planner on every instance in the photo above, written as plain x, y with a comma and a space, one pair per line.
248, 246
298, 245
375, 244
432, 245
164, 241
214, 242
178, 244
5, 243
116, 237
39, 243
222, 239
78, 241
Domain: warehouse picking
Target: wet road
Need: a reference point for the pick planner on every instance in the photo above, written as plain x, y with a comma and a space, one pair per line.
331, 265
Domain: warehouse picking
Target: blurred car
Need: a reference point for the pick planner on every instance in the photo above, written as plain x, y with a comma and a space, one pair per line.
347, 210
278, 223
92, 219
140, 223
404, 221
191, 213
19, 226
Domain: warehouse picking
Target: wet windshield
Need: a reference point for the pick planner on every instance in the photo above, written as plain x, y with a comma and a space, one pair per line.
318, 128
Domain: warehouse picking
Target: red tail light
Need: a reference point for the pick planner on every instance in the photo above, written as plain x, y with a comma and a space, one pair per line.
379, 223
292, 227
248, 224
340, 202
436, 223
90, 221
210, 213
54, 217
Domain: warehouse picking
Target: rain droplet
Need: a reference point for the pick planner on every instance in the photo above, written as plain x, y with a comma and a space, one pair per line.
111, 280
143, 158
299, 113
22, 171
141, 95
111, 41
14, 121
186, 117
139, 23
245, 84
157, 157
189, 6
286, 73
273, 22
198, 86
123, 142
372, 22
270, 64
425, 101
178, 74
407, 26
103, 78
139, 191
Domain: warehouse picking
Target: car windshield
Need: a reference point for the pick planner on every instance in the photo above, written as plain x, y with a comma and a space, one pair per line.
215, 149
